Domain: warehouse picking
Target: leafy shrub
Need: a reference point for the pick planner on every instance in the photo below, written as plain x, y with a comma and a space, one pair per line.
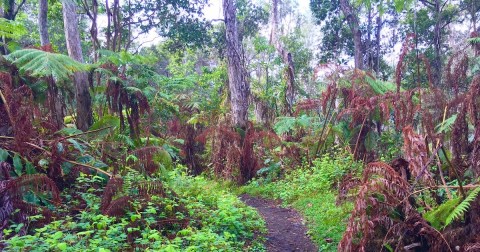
215, 221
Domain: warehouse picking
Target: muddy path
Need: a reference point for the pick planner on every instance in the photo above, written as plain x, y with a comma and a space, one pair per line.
286, 232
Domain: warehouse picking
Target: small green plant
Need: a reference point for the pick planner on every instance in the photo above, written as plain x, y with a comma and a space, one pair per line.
311, 190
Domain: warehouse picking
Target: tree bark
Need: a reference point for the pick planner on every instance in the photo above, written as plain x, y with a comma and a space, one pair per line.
437, 45
42, 22
237, 77
353, 23
55, 104
82, 94
286, 58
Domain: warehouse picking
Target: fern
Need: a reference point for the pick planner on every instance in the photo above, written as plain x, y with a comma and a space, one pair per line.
380, 87
39, 63
447, 124
462, 207
437, 217
11, 29
475, 40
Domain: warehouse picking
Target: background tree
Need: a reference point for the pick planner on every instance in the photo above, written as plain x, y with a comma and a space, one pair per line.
84, 116
237, 79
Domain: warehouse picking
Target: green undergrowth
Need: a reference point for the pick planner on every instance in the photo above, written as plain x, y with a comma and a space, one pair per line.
217, 221
312, 191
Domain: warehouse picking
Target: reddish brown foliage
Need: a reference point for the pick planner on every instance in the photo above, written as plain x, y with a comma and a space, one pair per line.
382, 192
406, 47
415, 153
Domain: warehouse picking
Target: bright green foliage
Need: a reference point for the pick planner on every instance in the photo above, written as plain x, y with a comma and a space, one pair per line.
453, 209
37, 63
11, 29
380, 87
463, 207
310, 190
438, 216
447, 124
221, 222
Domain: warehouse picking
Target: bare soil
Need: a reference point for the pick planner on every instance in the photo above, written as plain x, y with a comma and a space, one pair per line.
286, 231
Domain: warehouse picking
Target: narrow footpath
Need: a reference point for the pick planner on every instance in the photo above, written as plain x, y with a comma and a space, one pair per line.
286, 232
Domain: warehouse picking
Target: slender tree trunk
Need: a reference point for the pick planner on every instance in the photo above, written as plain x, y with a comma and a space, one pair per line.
437, 45
353, 23
237, 79
42, 22
286, 58
377, 45
82, 94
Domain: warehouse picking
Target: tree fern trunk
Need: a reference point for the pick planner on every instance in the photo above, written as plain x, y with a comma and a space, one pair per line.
82, 94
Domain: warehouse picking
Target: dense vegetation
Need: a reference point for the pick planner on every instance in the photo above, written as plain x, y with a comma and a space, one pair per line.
134, 125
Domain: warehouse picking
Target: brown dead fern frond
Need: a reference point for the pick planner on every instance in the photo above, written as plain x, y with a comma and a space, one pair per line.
415, 152
113, 186
118, 207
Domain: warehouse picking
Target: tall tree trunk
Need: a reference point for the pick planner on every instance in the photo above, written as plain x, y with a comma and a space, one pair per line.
82, 94
237, 78
437, 45
42, 22
377, 45
286, 58
353, 23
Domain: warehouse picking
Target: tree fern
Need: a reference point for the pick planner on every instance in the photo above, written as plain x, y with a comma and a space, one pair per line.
37, 63
462, 207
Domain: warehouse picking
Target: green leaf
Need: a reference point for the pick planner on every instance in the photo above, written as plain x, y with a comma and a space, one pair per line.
57, 235
11, 29
76, 145
3, 155
69, 131
446, 125
17, 165
62, 246
30, 168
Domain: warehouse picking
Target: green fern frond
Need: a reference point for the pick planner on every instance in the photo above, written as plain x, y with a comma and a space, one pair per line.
437, 216
11, 29
475, 40
37, 63
446, 125
380, 87
463, 207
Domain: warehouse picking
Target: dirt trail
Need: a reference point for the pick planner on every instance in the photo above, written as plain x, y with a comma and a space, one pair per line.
286, 231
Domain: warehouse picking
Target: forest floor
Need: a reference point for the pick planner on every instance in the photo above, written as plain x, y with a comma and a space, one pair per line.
286, 231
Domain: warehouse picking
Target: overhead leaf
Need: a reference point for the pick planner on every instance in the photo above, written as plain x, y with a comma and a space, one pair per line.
11, 29
39, 63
